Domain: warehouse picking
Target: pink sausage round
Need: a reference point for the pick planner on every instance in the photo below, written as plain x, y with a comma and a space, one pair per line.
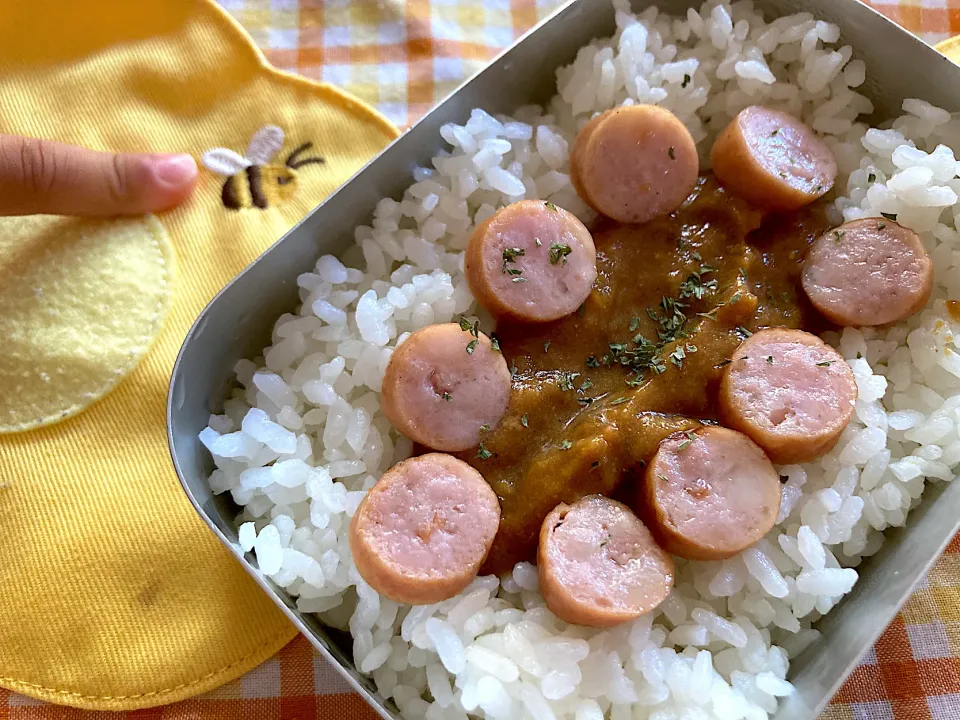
445, 388
634, 163
598, 564
872, 271
773, 160
531, 261
421, 533
577, 152
710, 494
790, 392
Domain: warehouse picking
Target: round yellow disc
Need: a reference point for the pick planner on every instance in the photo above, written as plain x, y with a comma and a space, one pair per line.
81, 302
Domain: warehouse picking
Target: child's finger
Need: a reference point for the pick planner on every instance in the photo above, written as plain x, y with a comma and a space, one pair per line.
42, 176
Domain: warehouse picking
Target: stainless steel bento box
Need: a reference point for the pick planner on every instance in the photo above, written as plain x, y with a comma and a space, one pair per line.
237, 324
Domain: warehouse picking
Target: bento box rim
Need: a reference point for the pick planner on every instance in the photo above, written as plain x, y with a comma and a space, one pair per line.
843, 6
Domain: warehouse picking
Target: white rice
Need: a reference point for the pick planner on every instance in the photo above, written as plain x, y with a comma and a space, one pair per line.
303, 440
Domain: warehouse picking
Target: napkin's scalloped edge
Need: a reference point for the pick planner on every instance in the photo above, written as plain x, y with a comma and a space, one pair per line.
348, 101
153, 698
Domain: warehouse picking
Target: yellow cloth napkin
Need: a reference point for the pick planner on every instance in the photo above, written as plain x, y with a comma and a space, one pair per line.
950, 47
113, 594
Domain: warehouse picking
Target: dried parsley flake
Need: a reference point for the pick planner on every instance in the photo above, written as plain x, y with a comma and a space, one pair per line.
558, 252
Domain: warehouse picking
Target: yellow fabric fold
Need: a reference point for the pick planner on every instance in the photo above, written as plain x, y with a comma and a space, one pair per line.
113, 593
951, 48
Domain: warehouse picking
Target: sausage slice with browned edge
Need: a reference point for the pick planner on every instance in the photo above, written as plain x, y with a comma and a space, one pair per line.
872, 271
773, 160
531, 261
421, 533
445, 387
790, 392
599, 565
710, 494
634, 163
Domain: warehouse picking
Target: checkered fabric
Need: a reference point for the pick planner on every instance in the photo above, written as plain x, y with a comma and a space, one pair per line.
403, 56
913, 671
933, 20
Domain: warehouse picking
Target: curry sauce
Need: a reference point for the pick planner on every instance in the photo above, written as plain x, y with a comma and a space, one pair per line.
595, 392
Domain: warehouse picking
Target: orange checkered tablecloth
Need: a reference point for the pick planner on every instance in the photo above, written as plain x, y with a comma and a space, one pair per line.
403, 56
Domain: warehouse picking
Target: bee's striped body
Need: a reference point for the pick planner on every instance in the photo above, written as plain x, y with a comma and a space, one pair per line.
245, 189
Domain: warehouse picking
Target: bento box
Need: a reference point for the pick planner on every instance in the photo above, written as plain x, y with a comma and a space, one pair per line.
238, 322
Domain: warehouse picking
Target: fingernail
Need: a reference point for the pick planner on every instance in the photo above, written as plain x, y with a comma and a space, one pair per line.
175, 169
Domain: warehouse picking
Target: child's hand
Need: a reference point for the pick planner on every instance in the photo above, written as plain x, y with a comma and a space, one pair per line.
45, 177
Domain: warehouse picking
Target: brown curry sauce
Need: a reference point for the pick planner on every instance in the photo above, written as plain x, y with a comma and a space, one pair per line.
595, 392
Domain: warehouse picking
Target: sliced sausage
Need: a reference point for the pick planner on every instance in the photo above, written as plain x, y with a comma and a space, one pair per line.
577, 152
634, 163
790, 392
421, 533
872, 271
531, 261
773, 160
599, 565
710, 494
445, 387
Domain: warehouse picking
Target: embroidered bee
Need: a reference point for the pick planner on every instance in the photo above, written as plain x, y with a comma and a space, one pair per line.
254, 181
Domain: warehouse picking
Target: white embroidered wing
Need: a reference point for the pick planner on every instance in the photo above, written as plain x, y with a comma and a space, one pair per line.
265, 144
225, 161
